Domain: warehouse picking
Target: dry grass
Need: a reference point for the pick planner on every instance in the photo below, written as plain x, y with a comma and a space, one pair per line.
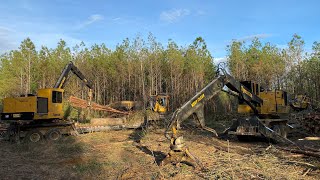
135, 154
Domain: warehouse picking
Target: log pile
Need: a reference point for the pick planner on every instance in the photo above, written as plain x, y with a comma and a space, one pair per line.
80, 103
312, 122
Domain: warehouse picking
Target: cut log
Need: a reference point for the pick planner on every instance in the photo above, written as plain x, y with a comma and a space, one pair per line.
80, 103
300, 151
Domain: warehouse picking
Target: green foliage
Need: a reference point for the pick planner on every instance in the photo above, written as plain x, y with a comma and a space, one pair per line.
258, 62
137, 68
132, 71
272, 67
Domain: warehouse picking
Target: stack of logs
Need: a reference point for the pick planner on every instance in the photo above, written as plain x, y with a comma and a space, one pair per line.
312, 122
80, 103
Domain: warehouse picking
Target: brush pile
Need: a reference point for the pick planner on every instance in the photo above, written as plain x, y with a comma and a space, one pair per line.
312, 122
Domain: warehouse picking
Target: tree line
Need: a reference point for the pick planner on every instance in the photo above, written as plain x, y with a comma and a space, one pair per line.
137, 68
133, 70
292, 68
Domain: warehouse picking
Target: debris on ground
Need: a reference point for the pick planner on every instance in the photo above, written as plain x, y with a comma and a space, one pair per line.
135, 154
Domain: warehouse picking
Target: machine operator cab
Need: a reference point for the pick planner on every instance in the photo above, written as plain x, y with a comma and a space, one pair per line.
301, 102
275, 102
159, 103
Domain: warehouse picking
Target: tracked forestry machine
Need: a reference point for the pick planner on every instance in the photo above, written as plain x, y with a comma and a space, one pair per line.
262, 114
159, 103
305, 114
34, 117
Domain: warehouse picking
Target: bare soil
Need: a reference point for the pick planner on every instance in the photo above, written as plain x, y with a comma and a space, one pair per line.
135, 154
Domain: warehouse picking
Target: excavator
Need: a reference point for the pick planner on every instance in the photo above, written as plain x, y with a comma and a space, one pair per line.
302, 102
37, 116
305, 113
159, 103
262, 114
153, 114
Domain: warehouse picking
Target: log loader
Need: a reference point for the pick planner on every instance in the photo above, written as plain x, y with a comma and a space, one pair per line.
159, 103
305, 113
263, 109
37, 116
153, 115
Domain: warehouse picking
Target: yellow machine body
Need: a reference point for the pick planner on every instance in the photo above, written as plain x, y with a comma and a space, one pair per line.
20, 104
161, 103
301, 102
275, 102
48, 104
244, 109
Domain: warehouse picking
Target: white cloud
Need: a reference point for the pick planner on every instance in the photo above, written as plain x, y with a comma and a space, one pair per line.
173, 15
51, 40
251, 37
133, 21
91, 19
95, 17
116, 19
219, 59
4, 30
10, 39
6, 42
41, 32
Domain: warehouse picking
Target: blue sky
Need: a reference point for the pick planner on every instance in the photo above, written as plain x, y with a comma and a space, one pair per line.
109, 22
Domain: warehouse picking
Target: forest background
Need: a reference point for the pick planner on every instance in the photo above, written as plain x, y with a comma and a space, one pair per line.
137, 68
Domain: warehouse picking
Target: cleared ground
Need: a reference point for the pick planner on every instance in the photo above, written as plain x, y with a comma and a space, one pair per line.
134, 154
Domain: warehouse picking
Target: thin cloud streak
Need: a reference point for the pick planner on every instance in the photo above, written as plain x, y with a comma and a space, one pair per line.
174, 15
91, 19
6, 42
251, 37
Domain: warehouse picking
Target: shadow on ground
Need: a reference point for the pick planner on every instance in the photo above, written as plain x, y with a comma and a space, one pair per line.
137, 135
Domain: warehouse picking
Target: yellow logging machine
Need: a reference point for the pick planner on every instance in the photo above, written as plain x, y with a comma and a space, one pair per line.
262, 115
35, 115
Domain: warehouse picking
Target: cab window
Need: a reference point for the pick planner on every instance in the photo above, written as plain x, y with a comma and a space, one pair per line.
162, 101
56, 97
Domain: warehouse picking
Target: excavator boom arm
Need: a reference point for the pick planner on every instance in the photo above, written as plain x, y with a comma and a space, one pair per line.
196, 104
178, 150
64, 75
